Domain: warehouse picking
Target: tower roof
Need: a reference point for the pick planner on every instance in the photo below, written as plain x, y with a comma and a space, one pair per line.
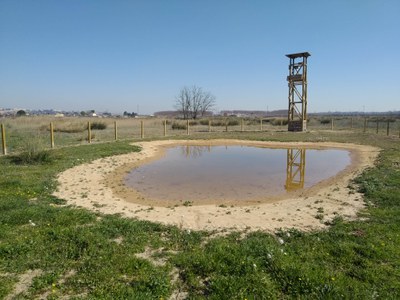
295, 55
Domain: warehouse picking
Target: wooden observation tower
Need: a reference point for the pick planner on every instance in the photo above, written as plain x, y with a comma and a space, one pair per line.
297, 81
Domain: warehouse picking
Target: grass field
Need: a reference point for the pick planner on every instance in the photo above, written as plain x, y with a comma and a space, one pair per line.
48, 250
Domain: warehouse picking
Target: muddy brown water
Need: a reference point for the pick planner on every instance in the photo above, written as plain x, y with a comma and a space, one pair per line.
234, 173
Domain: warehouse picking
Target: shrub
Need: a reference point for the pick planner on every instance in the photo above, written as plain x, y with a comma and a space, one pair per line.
98, 125
65, 127
218, 123
279, 122
229, 122
382, 119
204, 122
234, 122
252, 122
32, 152
178, 126
21, 113
325, 121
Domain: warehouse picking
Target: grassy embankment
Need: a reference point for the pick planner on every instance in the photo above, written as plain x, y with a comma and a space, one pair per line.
77, 253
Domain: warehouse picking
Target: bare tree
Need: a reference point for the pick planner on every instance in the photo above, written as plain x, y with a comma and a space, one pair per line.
194, 101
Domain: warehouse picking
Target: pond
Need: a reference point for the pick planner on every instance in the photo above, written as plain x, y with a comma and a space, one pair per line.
233, 173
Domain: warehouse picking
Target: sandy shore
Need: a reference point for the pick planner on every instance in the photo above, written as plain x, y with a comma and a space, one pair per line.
99, 186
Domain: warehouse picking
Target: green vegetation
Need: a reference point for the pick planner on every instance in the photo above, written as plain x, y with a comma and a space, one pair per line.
83, 254
98, 125
21, 113
32, 152
178, 126
67, 128
325, 121
279, 121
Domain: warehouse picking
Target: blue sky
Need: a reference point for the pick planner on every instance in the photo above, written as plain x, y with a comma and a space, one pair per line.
120, 55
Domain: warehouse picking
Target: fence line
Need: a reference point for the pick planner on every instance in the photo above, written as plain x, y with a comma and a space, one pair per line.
64, 132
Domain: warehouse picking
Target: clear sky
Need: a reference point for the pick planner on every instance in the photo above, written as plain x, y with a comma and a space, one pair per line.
118, 55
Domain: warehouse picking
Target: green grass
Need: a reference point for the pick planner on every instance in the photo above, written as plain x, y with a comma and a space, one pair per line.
83, 254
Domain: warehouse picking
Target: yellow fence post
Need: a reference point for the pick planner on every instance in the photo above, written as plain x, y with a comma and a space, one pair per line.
187, 127
3, 139
52, 135
115, 131
142, 129
165, 127
89, 130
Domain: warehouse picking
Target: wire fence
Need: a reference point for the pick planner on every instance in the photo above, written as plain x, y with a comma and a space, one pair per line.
18, 134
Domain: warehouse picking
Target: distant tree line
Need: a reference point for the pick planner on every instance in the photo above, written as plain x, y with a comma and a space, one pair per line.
131, 115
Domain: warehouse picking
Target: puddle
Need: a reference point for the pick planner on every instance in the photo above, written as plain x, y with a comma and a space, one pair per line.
233, 174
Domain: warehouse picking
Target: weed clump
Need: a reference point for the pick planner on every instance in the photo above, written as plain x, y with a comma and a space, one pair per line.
178, 126
98, 125
279, 122
325, 121
229, 122
32, 152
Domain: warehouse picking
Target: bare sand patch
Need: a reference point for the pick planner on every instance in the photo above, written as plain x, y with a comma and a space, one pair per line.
99, 186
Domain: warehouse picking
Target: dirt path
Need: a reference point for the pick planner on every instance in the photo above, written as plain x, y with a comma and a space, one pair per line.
99, 186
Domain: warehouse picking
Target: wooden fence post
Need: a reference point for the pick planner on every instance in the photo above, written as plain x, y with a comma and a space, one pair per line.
115, 131
226, 125
142, 129
165, 127
187, 127
242, 125
365, 125
331, 123
387, 128
3, 139
51, 135
351, 123
261, 124
377, 126
209, 125
89, 130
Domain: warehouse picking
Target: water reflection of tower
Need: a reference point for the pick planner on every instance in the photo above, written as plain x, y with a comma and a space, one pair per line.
295, 169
